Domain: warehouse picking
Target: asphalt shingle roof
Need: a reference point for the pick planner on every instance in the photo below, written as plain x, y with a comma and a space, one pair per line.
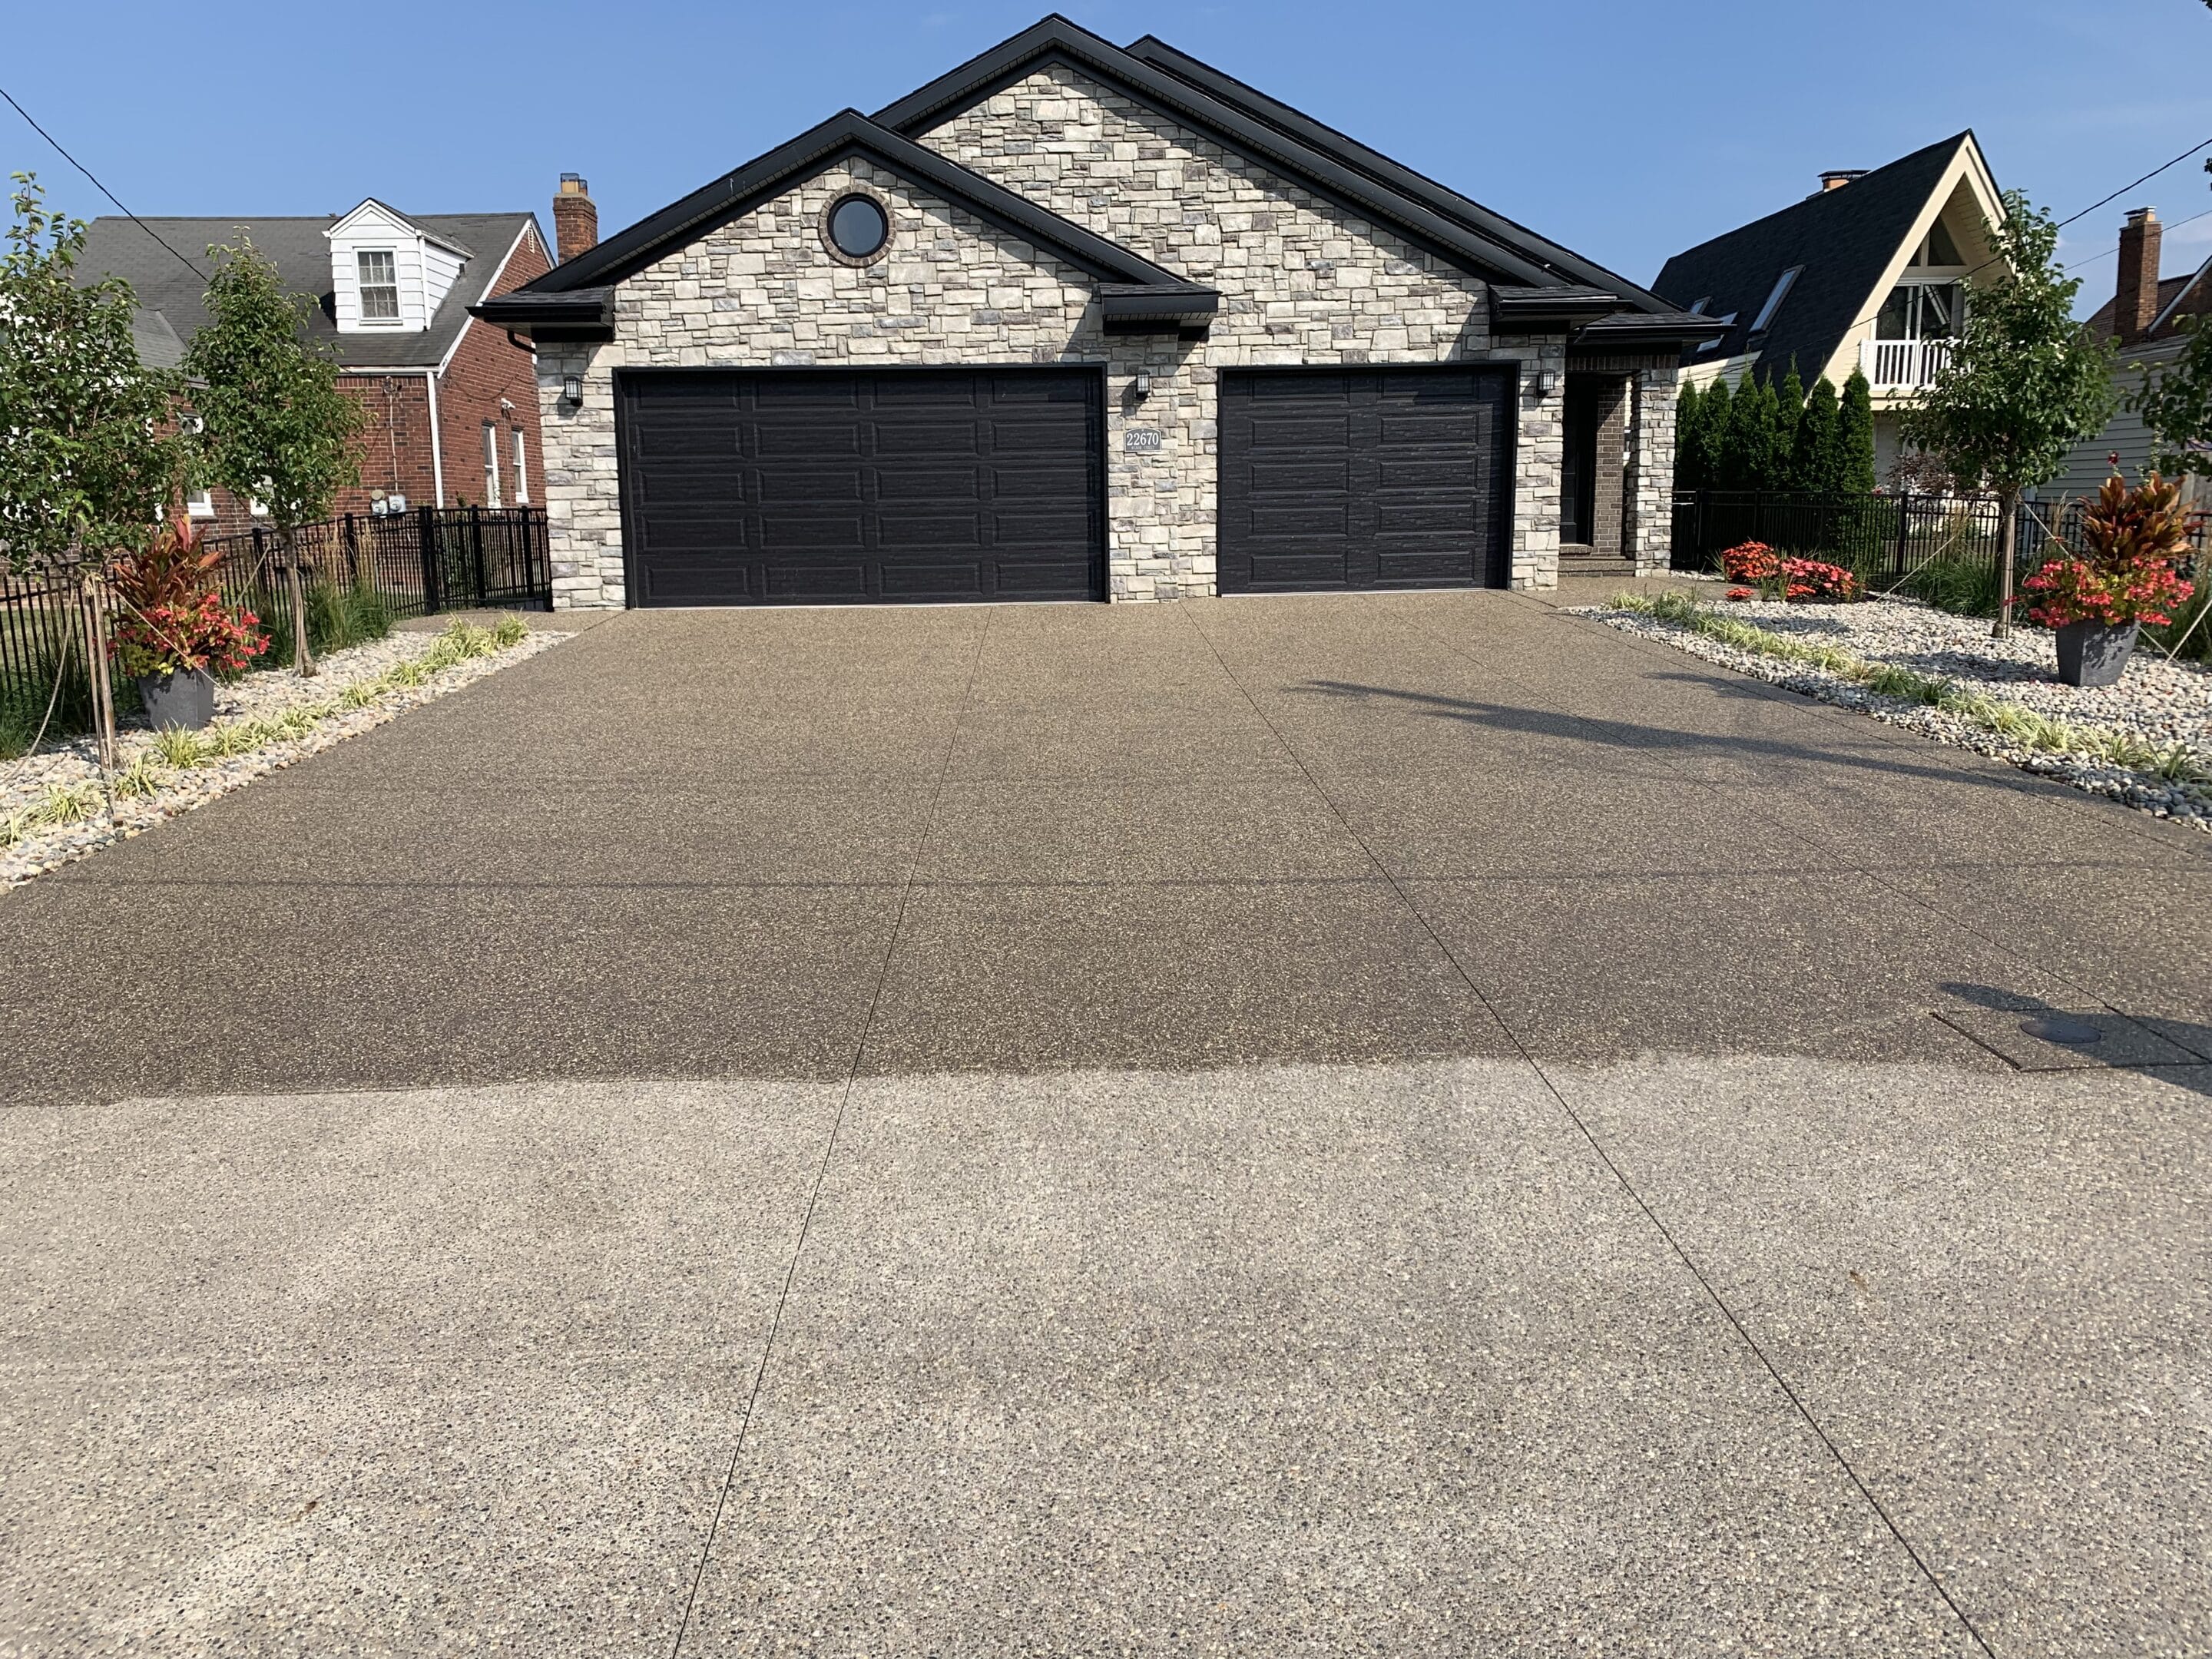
117, 247
1843, 238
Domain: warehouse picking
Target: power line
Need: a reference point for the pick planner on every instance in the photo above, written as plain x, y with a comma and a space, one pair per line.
2092, 259
2116, 194
101, 188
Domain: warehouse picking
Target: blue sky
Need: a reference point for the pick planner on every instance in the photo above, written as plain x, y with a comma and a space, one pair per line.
1625, 130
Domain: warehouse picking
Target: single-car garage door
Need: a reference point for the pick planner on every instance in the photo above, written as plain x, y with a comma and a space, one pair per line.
811, 487
1348, 479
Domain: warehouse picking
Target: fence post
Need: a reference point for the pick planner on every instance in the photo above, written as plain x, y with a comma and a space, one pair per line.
426, 537
1904, 523
475, 541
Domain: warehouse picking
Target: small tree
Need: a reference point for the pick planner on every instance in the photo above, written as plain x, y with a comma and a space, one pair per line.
1788, 416
1852, 467
1714, 413
90, 458
1812, 458
2175, 402
2025, 382
1688, 438
274, 426
1748, 449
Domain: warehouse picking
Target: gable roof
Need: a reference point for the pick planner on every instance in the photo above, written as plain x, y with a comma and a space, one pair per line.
424, 227
574, 300
1844, 238
576, 296
2179, 298
117, 247
1562, 265
1332, 172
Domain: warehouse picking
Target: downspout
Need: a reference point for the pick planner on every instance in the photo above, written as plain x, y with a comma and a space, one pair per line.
437, 439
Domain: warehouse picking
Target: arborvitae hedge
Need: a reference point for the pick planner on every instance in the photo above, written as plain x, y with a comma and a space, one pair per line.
1755, 436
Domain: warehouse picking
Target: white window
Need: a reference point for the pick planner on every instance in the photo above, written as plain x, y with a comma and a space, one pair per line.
200, 504
521, 470
1782, 285
491, 465
379, 285
258, 509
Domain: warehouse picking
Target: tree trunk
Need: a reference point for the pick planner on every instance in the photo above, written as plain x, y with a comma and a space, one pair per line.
2007, 534
303, 658
103, 688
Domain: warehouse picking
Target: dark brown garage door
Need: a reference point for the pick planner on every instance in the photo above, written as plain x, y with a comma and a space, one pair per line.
826, 487
1365, 478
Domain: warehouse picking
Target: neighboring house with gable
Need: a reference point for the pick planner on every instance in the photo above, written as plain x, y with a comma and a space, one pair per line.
2146, 320
1872, 271
451, 402
1078, 322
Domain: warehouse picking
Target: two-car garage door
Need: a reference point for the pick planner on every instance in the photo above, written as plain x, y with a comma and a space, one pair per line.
811, 486
807, 486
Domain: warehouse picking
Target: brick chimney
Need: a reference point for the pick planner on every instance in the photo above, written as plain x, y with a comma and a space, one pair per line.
2136, 301
1836, 178
575, 217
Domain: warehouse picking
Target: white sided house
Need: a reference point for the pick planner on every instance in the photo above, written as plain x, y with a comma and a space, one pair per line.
1078, 322
1874, 272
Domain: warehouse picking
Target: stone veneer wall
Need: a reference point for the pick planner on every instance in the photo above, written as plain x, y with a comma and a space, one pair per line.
1301, 280
763, 292
1651, 464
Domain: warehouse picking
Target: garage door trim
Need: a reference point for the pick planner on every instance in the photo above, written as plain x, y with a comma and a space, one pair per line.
626, 382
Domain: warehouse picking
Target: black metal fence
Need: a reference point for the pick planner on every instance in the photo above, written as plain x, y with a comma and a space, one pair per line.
417, 563
1884, 539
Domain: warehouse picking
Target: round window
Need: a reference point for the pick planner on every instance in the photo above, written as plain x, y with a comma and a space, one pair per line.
858, 228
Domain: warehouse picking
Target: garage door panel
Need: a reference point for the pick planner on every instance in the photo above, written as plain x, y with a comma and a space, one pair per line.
787, 532
1368, 478
817, 581
909, 580
766, 487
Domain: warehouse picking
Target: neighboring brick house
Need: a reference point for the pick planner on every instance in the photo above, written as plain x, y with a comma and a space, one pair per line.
2146, 319
451, 402
1081, 322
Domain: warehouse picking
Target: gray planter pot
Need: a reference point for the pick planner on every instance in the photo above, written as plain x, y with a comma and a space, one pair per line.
2090, 653
186, 699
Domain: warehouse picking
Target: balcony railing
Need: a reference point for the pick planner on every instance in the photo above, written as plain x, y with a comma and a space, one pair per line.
1903, 363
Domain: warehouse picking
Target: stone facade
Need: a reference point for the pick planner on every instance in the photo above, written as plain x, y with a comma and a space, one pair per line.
765, 292
1301, 282
1651, 469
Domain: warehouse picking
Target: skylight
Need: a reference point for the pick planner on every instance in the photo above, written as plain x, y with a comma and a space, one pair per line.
1699, 309
1774, 300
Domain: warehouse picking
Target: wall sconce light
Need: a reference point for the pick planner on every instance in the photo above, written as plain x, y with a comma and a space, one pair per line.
1142, 385
572, 391
1547, 382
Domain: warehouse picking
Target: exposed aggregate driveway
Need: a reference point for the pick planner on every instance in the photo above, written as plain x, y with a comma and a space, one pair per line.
1397, 1124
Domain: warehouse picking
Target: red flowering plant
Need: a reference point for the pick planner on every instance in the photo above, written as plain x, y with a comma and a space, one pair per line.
172, 619
2130, 539
1751, 562
1816, 581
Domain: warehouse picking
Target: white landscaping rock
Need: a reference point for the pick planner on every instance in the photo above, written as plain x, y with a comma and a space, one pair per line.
2163, 701
262, 696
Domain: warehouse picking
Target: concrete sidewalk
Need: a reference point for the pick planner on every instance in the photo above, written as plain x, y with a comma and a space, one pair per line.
1403, 1124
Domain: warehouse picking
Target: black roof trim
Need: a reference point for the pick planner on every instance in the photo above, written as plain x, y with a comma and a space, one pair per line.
1548, 310
1133, 309
1392, 175
1627, 330
847, 133
1332, 177
583, 313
